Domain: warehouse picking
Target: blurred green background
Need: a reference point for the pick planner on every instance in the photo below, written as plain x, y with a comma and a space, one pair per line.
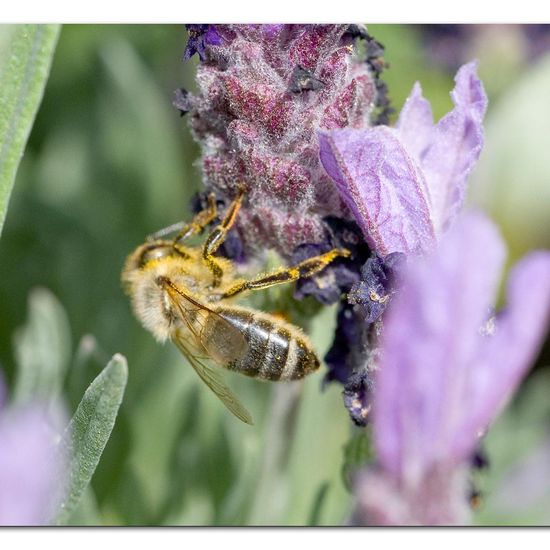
110, 160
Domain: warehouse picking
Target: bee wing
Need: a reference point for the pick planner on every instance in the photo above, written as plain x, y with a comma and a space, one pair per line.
213, 378
221, 340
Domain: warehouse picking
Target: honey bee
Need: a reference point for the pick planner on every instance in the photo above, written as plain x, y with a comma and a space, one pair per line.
185, 294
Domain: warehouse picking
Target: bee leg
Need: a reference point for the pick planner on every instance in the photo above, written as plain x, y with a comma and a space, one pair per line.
187, 230
199, 222
217, 236
307, 268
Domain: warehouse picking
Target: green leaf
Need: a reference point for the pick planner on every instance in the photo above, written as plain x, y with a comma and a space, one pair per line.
90, 429
26, 53
357, 452
318, 502
157, 159
42, 348
321, 430
87, 512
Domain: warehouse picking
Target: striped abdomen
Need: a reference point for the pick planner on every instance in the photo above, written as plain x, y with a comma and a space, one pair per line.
276, 349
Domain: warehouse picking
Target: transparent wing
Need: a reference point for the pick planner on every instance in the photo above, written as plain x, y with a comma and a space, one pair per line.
220, 339
213, 378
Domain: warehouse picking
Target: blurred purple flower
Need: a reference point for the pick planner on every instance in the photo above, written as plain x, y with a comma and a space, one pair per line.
445, 372
30, 465
449, 45
405, 185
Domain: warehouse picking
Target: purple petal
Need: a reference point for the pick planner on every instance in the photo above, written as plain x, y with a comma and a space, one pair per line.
415, 124
505, 357
29, 468
382, 186
456, 145
468, 93
406, 185
430, 339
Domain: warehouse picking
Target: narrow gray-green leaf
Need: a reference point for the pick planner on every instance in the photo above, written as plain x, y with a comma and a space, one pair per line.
26, 53
90, 429
358, 452
87, 512
42, 348
318, 502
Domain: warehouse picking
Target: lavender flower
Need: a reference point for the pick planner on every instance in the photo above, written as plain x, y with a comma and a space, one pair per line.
445, 373
264, 91
405, 185
30, 465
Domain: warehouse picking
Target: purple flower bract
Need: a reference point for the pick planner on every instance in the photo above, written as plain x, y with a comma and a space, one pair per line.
405, 185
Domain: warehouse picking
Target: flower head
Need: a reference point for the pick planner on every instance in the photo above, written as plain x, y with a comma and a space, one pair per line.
264, 91
405, 185
30, 465
443, 377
